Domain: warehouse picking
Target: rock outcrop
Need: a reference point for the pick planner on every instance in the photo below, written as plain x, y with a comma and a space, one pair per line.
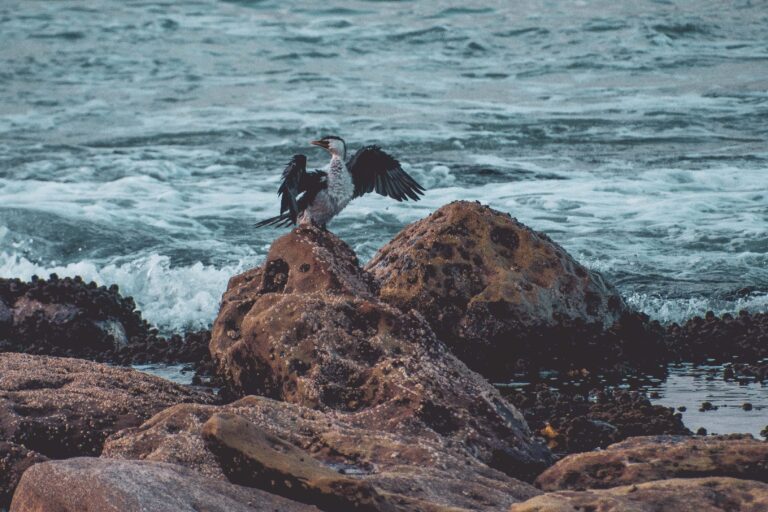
102, 485
307, 328
71, 318
66, 317
493, 289
62, 407
319, 457
581, 421
643, 459
14, 460
744, 336
675, 495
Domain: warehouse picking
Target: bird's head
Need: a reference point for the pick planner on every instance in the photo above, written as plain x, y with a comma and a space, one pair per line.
333, 144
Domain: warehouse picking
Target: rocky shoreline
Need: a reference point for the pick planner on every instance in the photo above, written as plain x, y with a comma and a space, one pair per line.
338, 387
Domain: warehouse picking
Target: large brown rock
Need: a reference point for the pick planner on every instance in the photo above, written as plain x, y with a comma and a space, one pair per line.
261, 443
490, 287
14, 460
642, 459
62, 407
101, 485
307, 328
675, 495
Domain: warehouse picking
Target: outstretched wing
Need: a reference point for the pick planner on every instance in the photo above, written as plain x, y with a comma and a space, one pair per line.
299, 187
373, 169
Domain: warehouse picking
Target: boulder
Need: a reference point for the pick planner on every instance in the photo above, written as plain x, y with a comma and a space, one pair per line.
69, 317
101, 485
307, 328
66, 317
315, 456
14, 460
493, 289
675, 495
642, 459
62, 407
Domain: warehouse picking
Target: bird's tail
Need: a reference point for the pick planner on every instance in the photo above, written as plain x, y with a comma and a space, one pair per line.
279, 221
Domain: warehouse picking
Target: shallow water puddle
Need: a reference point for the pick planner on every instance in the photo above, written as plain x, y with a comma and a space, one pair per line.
176, 373
689, 386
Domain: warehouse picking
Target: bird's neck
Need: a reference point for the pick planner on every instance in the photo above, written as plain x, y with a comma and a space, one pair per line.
337, 163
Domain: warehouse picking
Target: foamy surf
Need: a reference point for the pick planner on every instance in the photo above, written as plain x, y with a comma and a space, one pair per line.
175, 299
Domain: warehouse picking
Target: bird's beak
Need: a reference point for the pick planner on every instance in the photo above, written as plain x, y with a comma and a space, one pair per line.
322, 143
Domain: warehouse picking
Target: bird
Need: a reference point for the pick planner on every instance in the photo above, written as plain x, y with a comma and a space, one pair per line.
316, 197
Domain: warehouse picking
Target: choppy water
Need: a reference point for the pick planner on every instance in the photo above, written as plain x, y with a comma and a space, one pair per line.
139, 140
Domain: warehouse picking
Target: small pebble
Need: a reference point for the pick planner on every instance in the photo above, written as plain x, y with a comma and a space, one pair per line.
747, 406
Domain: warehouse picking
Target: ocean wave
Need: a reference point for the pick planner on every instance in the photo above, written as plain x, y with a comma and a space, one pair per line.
668, 310
173, 298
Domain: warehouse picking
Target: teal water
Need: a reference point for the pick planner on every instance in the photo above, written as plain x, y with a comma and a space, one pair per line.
140, 140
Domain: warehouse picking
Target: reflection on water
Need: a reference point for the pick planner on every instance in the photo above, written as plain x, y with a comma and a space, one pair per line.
689, 386
682, 386
177, 373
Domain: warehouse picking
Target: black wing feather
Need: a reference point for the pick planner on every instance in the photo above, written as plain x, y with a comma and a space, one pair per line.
373, 169
299, 187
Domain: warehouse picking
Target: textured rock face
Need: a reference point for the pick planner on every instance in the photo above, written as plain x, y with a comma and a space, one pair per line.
642, 459
580, 421
14, 460
71, 318
63, 407
489, 286
66, 317
307, 328
675, 495
263, 443
101, 485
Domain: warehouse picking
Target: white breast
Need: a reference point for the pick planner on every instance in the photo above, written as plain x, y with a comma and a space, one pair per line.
332, 200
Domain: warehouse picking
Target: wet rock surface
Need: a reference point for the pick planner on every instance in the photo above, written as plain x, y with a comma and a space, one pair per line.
63, 407
574, 421
743, 336
102, 485
271, 438
490, 285
14, 460
364, 406
674, 495
71, 318
642, 459
308, 329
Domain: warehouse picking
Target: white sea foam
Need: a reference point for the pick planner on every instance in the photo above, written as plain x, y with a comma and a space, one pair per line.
172, 298
679, 310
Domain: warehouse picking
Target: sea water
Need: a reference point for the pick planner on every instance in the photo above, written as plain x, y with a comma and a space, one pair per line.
140, 140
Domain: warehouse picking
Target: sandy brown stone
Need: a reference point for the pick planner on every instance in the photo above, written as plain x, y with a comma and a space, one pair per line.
488, 285
64, 407
102, 485
307, 328
429, 469
715, 494
642, 459
14, 460
255, 458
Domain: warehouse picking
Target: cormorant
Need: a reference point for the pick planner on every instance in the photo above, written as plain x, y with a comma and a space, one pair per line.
315, 197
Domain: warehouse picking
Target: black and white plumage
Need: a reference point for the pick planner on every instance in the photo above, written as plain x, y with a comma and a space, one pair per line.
317, 196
